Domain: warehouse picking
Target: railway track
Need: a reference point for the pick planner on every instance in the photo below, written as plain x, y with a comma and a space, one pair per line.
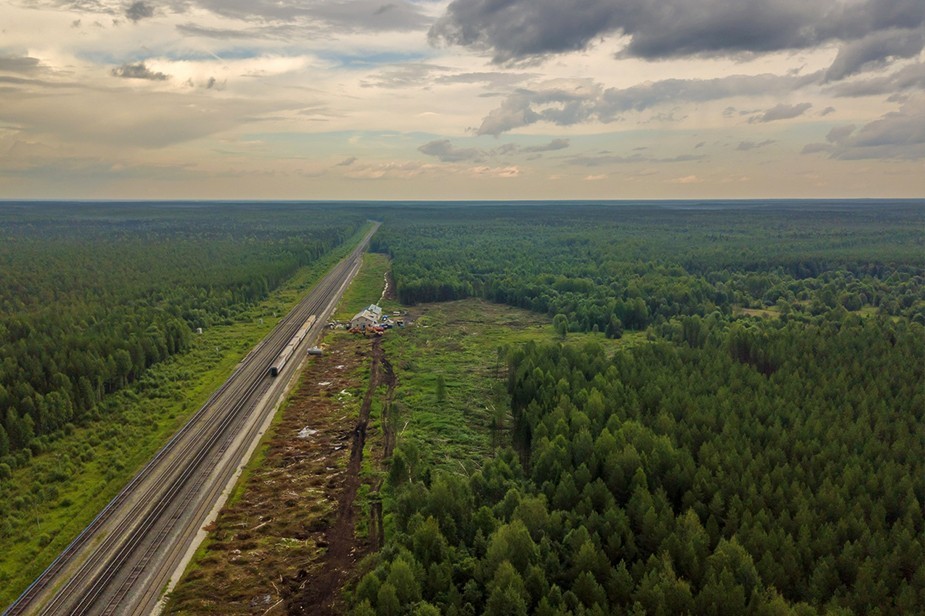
123, 560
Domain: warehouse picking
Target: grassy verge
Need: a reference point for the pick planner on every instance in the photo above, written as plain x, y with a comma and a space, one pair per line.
366, 288
60, 491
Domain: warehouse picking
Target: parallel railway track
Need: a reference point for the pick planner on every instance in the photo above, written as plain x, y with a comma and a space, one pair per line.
121, 562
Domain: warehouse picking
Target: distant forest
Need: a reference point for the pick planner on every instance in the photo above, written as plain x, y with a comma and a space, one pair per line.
762, 453
639, 265
91, 295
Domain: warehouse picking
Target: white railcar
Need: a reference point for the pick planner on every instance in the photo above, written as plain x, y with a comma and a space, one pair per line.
280, 362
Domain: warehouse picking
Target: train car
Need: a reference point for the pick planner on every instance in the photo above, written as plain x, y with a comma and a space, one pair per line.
280, 362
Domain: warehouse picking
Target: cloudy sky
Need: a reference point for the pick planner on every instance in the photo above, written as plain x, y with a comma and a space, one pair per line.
421, 99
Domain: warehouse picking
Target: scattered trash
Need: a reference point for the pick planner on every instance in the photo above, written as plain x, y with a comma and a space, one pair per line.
306, 432
324, 383
261, 601
290, 542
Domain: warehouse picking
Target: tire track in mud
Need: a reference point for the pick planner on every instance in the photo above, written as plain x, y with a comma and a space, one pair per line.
321, 595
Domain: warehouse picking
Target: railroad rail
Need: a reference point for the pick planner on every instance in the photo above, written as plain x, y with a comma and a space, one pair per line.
122, 560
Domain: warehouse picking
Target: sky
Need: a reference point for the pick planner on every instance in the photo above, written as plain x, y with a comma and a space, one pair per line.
467, 99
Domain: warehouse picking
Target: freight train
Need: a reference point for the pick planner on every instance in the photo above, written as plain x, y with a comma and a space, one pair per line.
280, 362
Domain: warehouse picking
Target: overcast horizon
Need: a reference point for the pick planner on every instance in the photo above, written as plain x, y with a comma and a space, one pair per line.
470, 99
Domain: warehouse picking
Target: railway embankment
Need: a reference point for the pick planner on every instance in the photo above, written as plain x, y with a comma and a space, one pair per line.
301, 517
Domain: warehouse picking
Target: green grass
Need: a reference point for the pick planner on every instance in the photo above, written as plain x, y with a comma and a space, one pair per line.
366, 288
60, 491
463, 342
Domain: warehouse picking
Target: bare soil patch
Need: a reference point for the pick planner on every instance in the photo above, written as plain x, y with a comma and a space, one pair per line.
286, 542
320, 594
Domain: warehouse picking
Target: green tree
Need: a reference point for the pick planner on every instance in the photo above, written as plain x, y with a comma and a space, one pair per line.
511, 543
428, 544
614, 327
4, 442
387, 603
508, 596
560, 324
364, 608
441, 388
425, 609
403, 580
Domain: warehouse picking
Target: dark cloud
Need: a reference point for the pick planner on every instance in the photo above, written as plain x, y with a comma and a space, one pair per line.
23, 65
780, 112
910, 77
567, 103
513, 148
896, 135
745, 146
138, 71
139, 10
517, 30
840, 133
209, 84
552, 146
875, 50
347, 162
604, 159
813, 148
445, 151
21, 81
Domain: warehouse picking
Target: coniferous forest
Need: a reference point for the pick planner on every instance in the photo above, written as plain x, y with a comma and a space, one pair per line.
763, 452
92, 295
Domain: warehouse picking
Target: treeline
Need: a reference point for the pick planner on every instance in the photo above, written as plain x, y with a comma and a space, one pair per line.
753, 468
92, 295
606, 268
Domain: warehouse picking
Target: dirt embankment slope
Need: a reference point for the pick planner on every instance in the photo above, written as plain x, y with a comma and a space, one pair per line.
289, 540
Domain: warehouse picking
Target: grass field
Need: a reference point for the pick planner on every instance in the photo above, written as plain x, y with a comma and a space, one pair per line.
61, 490
462, 343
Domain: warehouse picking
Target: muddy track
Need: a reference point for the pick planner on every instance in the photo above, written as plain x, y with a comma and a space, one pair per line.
321, 594
377, 537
